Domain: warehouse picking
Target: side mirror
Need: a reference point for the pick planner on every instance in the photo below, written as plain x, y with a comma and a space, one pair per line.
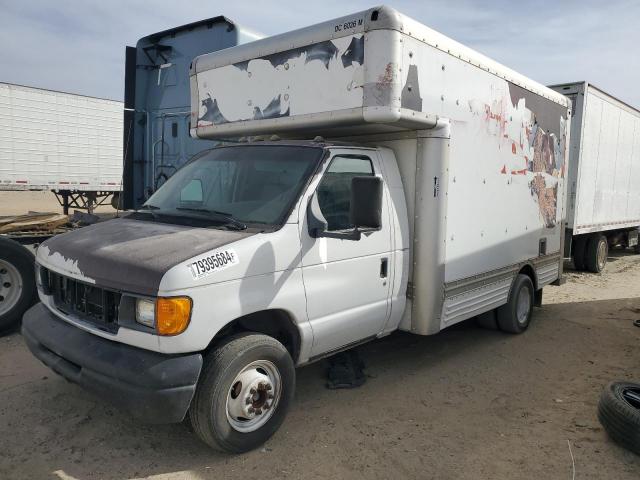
366, 203
365, 213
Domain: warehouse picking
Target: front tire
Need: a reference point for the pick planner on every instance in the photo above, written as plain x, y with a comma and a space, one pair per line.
515, 315
17, 283
244, 393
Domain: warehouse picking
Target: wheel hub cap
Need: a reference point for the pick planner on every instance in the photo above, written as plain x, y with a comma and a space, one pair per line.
10, 287
523, 306
602, 254
253, 396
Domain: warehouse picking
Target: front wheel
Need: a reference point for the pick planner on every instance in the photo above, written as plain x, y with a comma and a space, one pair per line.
245, 390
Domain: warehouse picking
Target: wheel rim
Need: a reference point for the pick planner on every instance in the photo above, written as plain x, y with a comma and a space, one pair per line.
632, 397
253, 396
10, 287
523, 306
602, 254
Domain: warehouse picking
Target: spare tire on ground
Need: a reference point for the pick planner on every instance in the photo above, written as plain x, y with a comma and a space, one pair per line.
619, 414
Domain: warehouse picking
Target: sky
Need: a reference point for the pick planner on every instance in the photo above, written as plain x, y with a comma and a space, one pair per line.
78, 45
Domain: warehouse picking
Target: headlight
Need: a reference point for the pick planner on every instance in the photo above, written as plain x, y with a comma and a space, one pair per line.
146, 312
168, 315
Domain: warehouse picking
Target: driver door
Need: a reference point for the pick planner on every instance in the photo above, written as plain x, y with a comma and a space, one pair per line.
346, 281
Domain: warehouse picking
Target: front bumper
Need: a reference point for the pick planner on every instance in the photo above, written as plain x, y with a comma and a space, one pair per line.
151, 386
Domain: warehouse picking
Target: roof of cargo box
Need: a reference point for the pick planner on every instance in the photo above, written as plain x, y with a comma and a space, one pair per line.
376, 18
586, 85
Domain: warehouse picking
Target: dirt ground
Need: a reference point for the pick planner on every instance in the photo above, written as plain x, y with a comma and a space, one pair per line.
464, 404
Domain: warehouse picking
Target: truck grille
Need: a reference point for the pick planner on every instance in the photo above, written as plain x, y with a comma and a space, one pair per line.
89, 303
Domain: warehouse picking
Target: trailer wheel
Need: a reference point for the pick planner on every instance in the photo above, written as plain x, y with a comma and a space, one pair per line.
515, 315
619, 413
597, 253
579, 252
17, 283
245, 390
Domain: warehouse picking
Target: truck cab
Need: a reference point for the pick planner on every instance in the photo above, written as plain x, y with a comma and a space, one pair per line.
254, 237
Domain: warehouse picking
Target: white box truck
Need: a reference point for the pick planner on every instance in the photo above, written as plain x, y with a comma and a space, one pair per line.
69, 144
603, 200
413, 184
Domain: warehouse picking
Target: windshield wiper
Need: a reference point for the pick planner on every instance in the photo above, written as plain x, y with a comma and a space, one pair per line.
227, 217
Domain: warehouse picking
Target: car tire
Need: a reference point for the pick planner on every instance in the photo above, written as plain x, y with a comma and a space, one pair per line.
619, 414
597, 253
247, 372
515, 315
17, 283
579, 252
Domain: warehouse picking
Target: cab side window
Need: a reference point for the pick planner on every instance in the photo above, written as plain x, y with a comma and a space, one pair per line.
334, 191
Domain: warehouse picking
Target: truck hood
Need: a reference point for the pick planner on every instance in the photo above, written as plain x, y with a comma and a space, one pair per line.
130, 255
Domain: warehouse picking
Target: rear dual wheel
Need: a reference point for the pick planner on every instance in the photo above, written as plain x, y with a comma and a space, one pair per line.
597, 253
590, 252
515, 315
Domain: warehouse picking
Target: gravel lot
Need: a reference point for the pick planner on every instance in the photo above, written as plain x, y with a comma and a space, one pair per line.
465, 404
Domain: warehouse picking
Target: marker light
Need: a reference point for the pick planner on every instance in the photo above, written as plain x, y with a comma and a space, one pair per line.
172, 315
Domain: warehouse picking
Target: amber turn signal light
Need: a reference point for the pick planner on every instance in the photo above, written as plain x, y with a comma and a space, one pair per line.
172, 315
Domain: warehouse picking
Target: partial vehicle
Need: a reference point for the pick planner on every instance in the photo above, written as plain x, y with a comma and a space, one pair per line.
157, 101
603, 207
388, 179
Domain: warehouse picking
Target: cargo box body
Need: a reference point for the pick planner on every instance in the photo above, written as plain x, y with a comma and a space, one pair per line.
481, 149
604, 178
59, 141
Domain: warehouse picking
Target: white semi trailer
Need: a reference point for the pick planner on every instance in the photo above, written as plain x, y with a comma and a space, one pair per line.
603, 202
414, 184
66, 143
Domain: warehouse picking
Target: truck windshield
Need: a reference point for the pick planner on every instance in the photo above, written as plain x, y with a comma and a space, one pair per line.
237, 186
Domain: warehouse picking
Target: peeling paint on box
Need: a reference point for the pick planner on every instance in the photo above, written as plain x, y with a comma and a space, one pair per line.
411, 91
62, 264
354, 52
271, 83
529, 135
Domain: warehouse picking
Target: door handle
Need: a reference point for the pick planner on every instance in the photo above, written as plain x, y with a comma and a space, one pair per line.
384, 267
